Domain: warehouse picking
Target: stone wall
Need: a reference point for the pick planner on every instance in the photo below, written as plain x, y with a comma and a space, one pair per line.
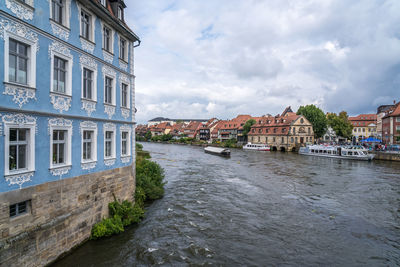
387, 156
61, 215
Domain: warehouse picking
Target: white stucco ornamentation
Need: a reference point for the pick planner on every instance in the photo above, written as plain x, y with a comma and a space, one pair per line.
109, 71
125, 112
108, 57
109, 110
109, 162
88, 106
61, 103
19, 119
124, 79
88, 166
59, 122
87, 46
60, 171
87, 61
19, 30
21, 95
126, 160
59, 31
123, 65
19, 179
109, 126
20, 10
87, 125
59, 48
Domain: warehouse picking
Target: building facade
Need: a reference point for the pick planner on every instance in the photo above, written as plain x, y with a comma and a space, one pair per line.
364, 126
285, 132
66, 112
391, 126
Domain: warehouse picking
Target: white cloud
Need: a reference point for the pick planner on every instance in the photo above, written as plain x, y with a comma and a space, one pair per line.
202, 59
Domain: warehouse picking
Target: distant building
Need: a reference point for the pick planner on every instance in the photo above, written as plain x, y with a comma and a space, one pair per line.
364, 126
381, 112
391, 125
284, 132
159, 120
230, 129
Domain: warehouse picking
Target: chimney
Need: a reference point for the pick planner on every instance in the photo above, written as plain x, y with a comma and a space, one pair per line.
394, 102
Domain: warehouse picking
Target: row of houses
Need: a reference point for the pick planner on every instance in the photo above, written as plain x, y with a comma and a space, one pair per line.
284, 131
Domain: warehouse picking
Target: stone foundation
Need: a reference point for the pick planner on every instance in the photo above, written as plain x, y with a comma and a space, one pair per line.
60, 216
394, 156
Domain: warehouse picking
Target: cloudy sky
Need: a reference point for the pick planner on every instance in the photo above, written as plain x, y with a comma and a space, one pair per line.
220, 58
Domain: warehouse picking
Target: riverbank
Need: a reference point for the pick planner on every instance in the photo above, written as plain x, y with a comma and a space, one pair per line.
388, 156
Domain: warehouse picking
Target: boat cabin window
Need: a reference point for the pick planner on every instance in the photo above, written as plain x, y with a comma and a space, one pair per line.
350, 153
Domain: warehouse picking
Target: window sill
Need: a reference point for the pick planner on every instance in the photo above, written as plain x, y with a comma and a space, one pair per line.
87, 40
25, 4
25, 86
126, 108
21, 216
110, 105
56, 167
18, 173
89, 100
60, 94
112, 158
59, 25
108, 52
123, 60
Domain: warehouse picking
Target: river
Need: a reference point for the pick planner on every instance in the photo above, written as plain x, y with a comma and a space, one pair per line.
260, 209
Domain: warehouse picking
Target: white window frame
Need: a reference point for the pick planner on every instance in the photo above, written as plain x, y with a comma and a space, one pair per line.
94, 87
68, 146
30, 160
128, 102
113, 91
90, 126
31, 66
104, 3
113, 146
128, 130
66, 13
92, 23
68, 78
125, 58
111, 39
398, 119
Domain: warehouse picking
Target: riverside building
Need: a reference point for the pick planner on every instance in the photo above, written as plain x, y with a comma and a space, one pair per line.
285, 132
66, 122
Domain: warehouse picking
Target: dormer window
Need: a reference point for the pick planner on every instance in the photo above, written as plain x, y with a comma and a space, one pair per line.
120, 13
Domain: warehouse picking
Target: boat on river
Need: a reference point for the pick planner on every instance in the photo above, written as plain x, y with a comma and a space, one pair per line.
218, 151
341, 152
258, 147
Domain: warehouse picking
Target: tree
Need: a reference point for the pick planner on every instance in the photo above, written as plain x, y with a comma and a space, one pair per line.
247, 126
147, 136
340, 124
316, 117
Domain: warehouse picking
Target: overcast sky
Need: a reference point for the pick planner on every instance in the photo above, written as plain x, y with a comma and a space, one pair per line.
221, 58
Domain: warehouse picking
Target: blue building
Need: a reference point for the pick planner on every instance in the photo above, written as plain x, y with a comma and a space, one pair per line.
67, 106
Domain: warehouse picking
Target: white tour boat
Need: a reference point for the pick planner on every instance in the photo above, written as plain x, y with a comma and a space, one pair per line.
259, 147
341, 152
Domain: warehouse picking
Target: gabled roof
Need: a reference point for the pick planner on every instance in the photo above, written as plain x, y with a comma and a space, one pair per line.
394, 111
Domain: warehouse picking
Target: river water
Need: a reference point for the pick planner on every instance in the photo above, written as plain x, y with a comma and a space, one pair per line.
260, 209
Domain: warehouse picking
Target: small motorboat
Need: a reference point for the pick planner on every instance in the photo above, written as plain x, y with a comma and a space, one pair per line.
217, 151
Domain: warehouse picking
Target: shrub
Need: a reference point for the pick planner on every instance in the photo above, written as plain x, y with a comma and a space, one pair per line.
139, 147
149, 177
107, 227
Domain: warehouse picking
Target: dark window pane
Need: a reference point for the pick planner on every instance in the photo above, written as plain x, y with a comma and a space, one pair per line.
55, 152
22, 207
12, 159
61, 154
22, 135
21, 156
13, 135
13, 210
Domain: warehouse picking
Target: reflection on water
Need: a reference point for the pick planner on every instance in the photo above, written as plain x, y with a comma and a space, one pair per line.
259, 209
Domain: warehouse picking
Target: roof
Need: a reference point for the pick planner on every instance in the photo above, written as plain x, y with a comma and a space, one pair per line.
364, 117
108, 11
394, 111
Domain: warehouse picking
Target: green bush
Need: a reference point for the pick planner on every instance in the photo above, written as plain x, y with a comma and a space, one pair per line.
149, 177
107, 227
139, 147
